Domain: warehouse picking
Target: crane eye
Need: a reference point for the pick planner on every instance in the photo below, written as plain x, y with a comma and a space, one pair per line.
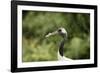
59, 30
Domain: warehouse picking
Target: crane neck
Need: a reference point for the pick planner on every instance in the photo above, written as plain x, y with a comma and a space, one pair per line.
61, 47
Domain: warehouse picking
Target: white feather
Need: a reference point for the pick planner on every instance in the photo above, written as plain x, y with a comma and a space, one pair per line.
63, 30
63, 58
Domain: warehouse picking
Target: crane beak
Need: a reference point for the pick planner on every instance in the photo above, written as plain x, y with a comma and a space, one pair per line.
50, 34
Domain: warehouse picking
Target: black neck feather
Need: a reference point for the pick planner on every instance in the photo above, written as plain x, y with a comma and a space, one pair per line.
61, 47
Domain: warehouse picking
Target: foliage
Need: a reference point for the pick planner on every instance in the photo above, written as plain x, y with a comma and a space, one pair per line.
36, 24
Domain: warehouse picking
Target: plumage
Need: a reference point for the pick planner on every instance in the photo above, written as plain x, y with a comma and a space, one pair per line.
63, 33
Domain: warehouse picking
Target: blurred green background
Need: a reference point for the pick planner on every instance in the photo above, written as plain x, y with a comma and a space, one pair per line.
36, 24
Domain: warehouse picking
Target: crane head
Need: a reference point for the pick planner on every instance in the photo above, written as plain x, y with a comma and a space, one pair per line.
61, 31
